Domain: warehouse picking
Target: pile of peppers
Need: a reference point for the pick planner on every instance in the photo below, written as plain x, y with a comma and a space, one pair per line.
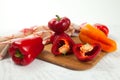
62, 44
94, 38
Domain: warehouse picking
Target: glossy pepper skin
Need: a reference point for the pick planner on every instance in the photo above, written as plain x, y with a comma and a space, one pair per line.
24, 51
102, 27
62, 45
86, 52
59, 25
90, 34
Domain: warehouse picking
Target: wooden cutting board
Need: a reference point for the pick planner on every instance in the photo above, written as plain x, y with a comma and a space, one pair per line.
69, 61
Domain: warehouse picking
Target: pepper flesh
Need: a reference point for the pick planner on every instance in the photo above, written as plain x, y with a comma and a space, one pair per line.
62, 44
86, 52
65, 47
24, 51
89, 34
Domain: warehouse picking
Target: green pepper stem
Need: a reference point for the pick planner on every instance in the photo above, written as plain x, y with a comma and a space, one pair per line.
58, 17
18, 54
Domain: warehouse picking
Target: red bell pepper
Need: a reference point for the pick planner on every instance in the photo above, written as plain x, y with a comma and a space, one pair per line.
86, 52
59, 25
25, 50
53, 37
102, 27
62, 44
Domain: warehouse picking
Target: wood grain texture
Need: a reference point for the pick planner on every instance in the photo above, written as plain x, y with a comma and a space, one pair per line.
69, 61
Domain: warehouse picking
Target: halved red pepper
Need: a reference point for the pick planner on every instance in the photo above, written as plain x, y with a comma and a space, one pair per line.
62, 44
86, 52
24, 51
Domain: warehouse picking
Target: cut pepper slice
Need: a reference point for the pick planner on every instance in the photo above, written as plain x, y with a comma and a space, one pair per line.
86, 52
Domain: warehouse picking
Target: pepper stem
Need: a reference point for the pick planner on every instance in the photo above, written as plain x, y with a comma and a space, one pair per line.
18, 54
58, 17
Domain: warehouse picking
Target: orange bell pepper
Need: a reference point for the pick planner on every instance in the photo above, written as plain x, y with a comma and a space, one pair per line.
90, 34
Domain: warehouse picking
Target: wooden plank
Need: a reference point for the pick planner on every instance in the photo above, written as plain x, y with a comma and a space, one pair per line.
69, 61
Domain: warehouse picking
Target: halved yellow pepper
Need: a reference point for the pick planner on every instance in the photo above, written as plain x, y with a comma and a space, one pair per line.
90, 34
